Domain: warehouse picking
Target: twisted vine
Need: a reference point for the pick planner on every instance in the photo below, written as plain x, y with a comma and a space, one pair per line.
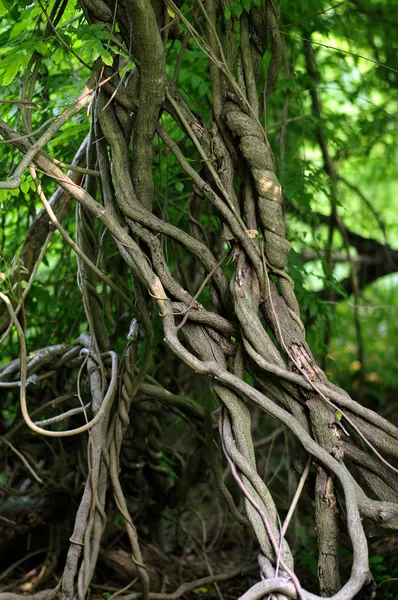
258, 155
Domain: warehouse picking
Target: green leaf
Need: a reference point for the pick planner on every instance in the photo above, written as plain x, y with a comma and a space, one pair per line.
3, 197
17, 29
106, 57
203, 89
10, 73
196, 80
41, 48
237, 10
376, 560
25, 185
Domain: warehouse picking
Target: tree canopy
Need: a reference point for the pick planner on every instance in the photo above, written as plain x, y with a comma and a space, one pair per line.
199, 248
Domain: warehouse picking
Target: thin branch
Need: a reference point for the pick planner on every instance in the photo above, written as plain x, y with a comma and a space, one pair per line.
21, 456
74, 246
299, 37
15, 182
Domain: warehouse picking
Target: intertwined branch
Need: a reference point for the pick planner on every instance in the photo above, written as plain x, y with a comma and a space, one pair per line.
253, 326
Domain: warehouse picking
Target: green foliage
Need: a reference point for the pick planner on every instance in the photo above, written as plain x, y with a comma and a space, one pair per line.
379, 334
307, 558
238, 6
385, 572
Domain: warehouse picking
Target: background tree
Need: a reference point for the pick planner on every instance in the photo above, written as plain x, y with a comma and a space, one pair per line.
152, 154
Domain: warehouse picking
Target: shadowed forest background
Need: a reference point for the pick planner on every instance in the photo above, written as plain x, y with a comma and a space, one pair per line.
199, 296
